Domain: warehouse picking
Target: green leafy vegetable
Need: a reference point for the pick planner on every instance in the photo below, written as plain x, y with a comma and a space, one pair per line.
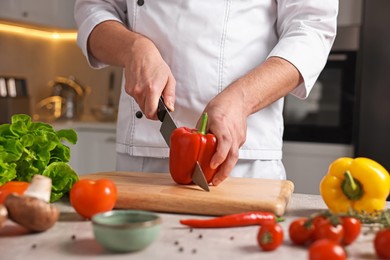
28, 148
61, 185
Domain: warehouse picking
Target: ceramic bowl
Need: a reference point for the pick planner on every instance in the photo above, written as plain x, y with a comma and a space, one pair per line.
126, 230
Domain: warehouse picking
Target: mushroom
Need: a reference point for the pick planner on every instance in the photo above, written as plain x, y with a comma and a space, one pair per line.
33, 210
3, 214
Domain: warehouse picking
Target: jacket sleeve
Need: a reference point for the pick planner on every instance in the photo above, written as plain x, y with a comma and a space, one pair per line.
306, 30
88, 14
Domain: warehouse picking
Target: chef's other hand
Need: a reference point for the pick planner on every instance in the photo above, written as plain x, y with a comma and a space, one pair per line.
227, 121
148, 77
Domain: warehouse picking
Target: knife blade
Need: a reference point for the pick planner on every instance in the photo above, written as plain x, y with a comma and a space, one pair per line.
168, 125
198, 177
166, 129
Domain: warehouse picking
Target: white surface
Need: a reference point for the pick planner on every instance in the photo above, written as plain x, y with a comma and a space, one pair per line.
224, 243
307, 163
95, 149
51, 13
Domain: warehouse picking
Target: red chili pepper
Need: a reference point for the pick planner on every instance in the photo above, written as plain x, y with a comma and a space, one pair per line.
234, 220
187, 147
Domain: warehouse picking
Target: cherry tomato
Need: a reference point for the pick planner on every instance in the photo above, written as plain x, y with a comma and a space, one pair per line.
7, 188
270, 236
326, 230
325, 249
319, 220
352, 228
382, 243
300, 231
89, 197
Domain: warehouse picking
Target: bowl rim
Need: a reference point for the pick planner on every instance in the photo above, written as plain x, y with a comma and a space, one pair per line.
147, 223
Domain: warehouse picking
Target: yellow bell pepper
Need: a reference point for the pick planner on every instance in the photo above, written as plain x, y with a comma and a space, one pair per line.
359, 184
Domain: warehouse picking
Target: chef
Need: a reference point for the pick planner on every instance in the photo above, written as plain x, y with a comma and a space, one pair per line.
233, 59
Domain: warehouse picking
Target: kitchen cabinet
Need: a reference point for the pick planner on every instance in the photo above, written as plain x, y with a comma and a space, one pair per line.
307, 163
48, 13
95, 149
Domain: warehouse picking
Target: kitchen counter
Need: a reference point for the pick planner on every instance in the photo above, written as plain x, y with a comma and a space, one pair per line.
72, 238
84, 125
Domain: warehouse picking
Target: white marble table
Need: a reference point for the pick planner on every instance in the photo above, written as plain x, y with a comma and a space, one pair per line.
72, 238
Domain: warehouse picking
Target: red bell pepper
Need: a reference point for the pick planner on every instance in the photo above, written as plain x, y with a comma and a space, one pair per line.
187, 147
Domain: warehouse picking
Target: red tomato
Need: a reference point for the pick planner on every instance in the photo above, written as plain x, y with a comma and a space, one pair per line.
18, 187
325, 249
319, 220
382, 243
352, 227
325, 230
300, 232
89, 197
270, 236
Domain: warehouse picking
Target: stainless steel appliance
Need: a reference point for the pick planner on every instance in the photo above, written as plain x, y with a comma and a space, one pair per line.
72, 94
14, 98
321, 129
66, 101
326, 116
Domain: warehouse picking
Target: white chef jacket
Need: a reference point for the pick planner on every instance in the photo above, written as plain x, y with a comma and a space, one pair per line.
208, 45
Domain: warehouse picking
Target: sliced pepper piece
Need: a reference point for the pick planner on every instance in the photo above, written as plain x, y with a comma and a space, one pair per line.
359, 184
189, 146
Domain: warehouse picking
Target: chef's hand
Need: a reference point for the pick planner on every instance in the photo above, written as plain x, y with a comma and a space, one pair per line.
227, 121
147, 77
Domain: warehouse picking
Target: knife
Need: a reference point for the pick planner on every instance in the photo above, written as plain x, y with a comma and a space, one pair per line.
166, 129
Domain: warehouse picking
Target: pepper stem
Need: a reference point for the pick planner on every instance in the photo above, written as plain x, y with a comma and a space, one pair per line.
351, 187
202, 128
350, 179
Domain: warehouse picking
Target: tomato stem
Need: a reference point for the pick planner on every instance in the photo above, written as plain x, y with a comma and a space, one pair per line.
202, 128
267, 238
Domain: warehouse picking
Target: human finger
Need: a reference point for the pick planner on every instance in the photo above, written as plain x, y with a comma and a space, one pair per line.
224, 141
226, 167
169, 93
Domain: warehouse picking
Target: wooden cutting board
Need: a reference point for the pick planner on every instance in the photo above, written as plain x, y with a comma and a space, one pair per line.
158, 192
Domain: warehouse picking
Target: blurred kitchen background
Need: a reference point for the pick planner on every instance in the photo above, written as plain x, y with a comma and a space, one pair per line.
38, 46
43, 73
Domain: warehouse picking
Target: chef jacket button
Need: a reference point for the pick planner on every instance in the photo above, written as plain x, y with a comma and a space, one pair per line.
140, 2
138, 114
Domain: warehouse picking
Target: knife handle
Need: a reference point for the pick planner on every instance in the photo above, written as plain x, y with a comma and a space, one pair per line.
161, 109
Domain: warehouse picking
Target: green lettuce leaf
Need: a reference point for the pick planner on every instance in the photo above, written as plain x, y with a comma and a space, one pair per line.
63, 177
28, 148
